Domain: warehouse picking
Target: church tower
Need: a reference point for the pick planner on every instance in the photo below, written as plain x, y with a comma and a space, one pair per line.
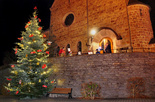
140, 25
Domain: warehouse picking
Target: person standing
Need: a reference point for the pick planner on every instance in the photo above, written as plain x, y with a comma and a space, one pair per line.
62, 52
107, 48
97, 52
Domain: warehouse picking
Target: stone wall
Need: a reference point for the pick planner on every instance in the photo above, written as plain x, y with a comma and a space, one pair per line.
110, 71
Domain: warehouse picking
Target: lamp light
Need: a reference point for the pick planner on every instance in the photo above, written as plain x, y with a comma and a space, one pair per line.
93, 32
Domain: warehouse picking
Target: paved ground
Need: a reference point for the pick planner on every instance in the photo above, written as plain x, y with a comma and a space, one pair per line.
12, 99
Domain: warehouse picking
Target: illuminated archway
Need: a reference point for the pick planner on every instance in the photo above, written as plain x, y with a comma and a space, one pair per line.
107, 34
103, 45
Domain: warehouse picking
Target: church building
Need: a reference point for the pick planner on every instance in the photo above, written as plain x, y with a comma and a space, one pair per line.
86, 25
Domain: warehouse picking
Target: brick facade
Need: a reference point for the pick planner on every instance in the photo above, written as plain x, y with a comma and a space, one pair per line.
111, 19
110, 71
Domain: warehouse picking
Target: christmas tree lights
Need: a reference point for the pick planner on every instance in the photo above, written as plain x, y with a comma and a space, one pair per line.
29, 77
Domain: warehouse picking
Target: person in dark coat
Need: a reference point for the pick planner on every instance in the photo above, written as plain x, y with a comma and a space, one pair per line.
97, 52
108, 48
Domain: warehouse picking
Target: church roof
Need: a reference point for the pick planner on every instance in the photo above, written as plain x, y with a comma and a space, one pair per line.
132, 2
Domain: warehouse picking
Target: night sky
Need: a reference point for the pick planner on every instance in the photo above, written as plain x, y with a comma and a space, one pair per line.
15, 13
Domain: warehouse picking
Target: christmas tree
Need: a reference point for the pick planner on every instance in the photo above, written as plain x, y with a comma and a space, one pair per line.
29, 77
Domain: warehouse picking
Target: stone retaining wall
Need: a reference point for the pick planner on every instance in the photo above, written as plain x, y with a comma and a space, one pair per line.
110, 71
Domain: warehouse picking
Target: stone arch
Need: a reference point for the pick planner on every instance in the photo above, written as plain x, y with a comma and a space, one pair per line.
106, 33
103, 42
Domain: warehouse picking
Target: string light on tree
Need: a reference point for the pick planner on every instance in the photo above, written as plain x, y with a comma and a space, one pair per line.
39, 80
29, 22
8, 84
35, 8
26, 26
37, 63
31, 35
8, 79
20, 81
39, 19
39, 50
12, 66
39, 28
47, 52
44, 36
43, 66
17, 92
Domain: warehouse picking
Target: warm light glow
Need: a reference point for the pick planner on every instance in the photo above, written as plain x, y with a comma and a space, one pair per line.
93, 32
60, 82
29, 42
8, 84
55, 70
104, 40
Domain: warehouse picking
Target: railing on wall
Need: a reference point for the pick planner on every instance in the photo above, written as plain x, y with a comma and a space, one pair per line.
122, 50
126, 50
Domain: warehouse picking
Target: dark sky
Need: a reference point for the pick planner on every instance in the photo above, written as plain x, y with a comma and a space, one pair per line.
15, 13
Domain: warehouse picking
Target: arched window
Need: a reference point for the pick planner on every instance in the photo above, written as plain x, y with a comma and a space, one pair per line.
79, 47
67, 49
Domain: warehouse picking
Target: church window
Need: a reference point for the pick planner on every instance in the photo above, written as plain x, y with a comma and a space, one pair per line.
141, 12
79, 47
57, 51
69, 20
68, 49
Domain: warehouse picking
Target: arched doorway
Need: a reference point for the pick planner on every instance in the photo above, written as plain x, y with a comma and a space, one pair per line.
106, 45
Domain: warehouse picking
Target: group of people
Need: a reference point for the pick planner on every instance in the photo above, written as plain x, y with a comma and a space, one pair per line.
107, 49
63, 53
